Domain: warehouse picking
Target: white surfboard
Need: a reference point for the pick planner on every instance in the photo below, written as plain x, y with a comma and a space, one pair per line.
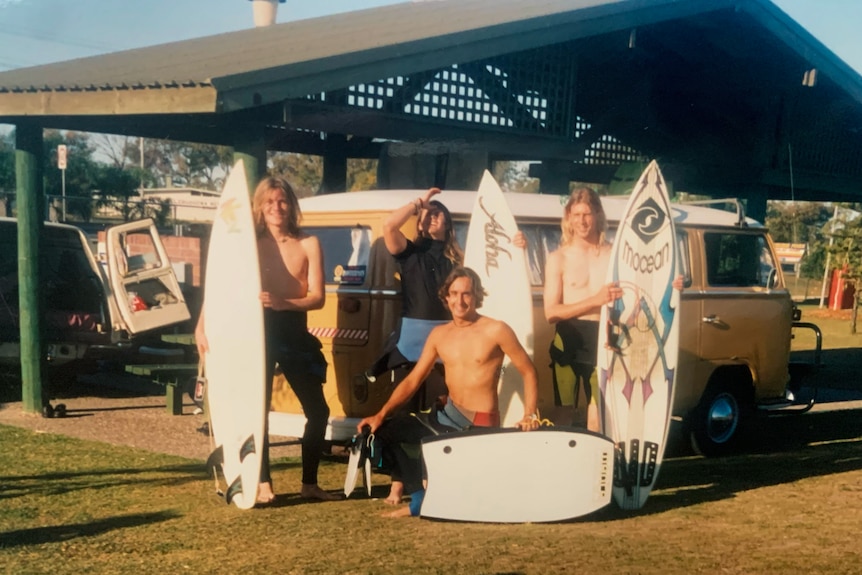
511, 476
503, 270
639, 340
233, 321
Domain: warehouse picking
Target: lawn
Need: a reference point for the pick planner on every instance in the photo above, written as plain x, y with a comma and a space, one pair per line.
788, 503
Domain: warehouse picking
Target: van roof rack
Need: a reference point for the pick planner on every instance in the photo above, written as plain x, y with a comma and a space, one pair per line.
734, 202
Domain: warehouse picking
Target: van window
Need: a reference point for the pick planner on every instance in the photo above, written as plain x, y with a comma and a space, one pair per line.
346, 250
738, 260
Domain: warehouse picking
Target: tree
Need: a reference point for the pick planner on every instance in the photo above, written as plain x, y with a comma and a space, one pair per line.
361, 174
515, 177
846, 252
796, 222
187, 164
304, 172
81, 173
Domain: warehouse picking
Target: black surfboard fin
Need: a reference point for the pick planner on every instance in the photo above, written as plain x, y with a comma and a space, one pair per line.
247, 448
233, 489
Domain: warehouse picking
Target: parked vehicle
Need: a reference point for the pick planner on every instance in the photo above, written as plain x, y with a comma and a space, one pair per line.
736, 313
85, 316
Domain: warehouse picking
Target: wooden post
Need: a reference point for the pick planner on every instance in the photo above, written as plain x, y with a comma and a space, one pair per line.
250, 146
334, 165
28, 177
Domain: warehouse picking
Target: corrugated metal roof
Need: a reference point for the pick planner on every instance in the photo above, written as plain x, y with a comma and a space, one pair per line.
203, 61
264, 55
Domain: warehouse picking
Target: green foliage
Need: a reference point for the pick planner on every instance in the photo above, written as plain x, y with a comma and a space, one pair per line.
305, 173
796, 222
515, 177
361, 174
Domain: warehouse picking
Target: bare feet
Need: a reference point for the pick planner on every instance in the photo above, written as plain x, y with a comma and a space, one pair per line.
265, 495
315, 492
400, 512
396, 492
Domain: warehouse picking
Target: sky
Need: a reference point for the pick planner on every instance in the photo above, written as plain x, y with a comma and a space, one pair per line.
36, 32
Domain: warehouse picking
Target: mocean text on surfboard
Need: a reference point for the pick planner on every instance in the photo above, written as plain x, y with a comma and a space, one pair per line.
645, 263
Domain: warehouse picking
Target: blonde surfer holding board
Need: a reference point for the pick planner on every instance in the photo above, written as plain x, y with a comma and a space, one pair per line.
575, 291
292, 283
472, 348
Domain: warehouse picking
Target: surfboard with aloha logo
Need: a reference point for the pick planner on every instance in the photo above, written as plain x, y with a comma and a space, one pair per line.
502, 268
639, 340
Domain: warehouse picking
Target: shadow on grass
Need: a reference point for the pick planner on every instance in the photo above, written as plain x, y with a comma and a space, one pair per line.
59, 483
779, 450
59, 533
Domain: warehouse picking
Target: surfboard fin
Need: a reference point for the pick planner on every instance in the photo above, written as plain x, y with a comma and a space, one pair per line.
233, 489
247, 448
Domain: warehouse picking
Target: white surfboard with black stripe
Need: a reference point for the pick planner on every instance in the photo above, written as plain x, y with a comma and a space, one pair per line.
233, 321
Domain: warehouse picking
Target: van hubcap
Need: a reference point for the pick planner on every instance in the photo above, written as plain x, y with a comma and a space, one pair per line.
722, 418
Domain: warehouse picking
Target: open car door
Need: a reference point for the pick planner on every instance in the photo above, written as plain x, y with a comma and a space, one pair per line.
144, 285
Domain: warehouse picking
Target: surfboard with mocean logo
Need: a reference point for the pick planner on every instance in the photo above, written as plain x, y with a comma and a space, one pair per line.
639, 340
502, 267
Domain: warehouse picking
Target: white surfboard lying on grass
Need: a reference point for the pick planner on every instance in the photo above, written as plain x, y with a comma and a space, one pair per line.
512, 476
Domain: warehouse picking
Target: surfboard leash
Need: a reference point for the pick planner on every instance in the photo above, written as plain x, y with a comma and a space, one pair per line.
216, 457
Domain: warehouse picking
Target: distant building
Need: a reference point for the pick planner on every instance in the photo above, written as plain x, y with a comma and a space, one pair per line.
790, 255
187, 204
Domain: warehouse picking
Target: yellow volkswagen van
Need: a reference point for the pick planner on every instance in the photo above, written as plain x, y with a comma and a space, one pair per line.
736, 315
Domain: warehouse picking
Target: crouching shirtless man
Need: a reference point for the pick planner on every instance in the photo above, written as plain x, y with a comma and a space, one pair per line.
472, 348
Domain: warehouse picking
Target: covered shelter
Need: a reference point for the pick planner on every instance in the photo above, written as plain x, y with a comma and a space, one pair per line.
732, 97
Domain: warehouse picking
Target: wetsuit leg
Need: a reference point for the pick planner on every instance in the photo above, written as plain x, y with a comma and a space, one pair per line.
309, 391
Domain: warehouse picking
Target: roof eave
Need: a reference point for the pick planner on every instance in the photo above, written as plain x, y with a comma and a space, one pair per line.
99, 102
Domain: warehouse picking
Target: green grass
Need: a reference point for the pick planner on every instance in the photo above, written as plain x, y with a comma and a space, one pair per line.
790, 505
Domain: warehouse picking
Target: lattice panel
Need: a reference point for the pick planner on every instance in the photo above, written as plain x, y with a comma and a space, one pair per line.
815, 147
530, 92
609, 150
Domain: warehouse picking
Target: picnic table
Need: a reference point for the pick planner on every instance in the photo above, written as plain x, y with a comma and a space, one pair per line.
173, 376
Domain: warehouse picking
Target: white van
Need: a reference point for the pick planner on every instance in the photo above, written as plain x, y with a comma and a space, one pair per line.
736, 313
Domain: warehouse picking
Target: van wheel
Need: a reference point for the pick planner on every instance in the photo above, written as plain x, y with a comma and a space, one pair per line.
718, 421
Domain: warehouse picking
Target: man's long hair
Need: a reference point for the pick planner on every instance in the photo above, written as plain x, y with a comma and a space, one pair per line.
294, 214
452, 250
589, 197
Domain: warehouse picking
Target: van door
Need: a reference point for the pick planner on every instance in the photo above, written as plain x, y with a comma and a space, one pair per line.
746, 311
145, 288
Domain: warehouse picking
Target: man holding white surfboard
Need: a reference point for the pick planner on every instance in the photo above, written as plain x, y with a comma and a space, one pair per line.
292, 283
575, 291
472, 348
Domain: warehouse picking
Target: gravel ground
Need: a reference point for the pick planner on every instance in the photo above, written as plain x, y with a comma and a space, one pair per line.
124, 410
